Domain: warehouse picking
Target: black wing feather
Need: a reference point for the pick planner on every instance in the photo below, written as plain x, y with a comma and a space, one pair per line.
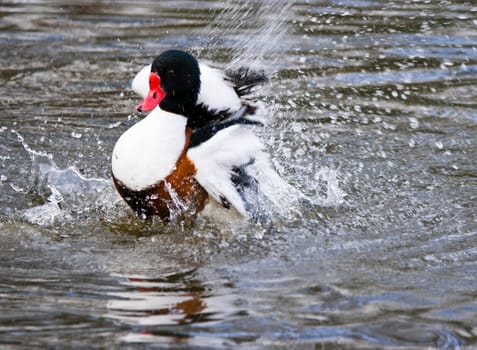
245, 79
202, 134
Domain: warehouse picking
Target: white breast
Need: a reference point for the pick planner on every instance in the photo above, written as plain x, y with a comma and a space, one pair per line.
147, 152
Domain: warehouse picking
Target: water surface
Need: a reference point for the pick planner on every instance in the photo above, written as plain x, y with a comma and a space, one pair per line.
372, 116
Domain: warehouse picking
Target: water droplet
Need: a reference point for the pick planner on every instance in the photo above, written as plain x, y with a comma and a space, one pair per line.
76, 135
115, 125
16, 188
414, 123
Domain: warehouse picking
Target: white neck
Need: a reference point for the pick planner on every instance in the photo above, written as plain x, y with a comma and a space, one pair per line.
147, 152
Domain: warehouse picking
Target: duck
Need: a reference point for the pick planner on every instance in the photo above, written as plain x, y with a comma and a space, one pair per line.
196, 146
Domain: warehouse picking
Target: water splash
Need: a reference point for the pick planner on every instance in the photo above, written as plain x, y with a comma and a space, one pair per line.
64, 194
328, 191
261, 27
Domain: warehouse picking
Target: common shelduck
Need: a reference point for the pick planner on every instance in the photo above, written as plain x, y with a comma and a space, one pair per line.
196, 145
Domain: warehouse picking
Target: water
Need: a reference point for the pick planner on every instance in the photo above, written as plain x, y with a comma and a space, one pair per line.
372, 117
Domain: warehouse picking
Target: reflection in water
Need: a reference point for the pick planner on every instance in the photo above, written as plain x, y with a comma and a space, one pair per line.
151, 302
155, 307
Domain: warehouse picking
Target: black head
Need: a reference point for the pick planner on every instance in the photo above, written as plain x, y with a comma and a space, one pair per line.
180, 80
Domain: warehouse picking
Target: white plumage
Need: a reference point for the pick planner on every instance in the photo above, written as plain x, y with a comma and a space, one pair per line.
147, 152
231, 147
140, 83
216, 92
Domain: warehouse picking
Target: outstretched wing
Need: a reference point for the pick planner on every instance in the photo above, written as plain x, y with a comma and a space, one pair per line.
219, 160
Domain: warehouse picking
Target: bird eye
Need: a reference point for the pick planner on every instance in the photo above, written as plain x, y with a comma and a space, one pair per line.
171, 72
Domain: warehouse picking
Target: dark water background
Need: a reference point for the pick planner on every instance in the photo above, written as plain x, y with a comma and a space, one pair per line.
373, 116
